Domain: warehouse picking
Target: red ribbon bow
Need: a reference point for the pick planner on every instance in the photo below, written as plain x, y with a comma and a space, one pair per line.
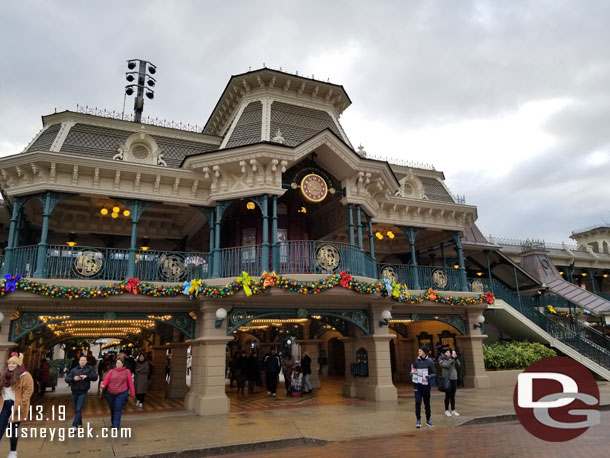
345, 279
489, 298
132, 285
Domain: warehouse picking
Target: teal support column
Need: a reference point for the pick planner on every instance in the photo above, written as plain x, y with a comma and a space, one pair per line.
517, 288
216, 266
351, 224
41, 258
444, 260
210, 217
460, 253
411, 234
371, 237
489, 279
275, 249
373, 273
570, 273
591, 274
12, 236
135, 218
265, 251
359, 227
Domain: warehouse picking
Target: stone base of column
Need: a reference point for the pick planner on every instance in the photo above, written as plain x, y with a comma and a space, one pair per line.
477, 381
158, 381
207, 405
471, 347
177, 383
312, 349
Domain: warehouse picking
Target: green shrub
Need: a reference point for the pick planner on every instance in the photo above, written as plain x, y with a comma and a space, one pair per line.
514, 355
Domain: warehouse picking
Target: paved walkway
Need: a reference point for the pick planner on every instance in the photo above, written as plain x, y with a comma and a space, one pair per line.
156, 433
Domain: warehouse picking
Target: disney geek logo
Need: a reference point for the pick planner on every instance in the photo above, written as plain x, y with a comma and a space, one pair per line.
556, 399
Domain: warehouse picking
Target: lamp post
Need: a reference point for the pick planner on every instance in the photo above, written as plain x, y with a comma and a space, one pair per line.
144, 83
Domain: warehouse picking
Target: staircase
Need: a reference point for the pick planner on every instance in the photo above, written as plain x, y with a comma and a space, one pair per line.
580, 342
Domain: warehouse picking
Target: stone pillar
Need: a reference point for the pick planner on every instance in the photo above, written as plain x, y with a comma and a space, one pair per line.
349, 384
177, 382
207, 393
312, 348
471, 348
158, 382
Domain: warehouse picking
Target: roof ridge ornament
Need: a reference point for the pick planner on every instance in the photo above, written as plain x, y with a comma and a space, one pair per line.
278, 137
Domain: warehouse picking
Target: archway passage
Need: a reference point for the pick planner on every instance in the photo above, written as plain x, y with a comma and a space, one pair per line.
293, 333
59, 337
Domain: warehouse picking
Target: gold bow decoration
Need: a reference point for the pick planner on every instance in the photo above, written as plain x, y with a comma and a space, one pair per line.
269, 279
195, 287
245, 280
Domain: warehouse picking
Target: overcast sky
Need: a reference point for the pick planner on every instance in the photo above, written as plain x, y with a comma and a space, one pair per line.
509, 98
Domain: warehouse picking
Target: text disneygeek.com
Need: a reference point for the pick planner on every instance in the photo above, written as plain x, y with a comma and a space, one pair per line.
61, 433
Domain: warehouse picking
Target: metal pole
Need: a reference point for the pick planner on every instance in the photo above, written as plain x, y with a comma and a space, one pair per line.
42, 246
275, 253
265, 253
351, 224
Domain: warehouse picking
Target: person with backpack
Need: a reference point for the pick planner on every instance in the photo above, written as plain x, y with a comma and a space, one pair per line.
272, 366
79, 378
119, 386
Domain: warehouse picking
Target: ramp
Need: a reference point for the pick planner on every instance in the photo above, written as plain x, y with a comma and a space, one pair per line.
540, 267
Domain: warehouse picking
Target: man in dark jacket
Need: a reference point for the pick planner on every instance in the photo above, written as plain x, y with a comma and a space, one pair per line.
272, 365
422, 371
79, 379
306, 366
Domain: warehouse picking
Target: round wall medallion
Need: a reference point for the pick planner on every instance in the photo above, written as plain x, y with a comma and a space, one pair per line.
477, 286
314, 188
390, 273
439, 278
172, 266
328, 258
88, 263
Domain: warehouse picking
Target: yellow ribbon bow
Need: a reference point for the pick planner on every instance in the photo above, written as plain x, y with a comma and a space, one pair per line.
245, 281
195, 287
395, 290
268, 279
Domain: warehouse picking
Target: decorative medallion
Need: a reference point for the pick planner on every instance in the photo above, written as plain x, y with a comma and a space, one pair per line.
88, 263
172, 267
328, 258
477, 286
314, 188
439, 278
390, 273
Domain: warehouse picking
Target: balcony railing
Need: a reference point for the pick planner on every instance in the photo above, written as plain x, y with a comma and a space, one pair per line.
24, 260
441, 278
234, 261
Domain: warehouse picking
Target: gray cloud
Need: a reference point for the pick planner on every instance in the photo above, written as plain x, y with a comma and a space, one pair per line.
406, 64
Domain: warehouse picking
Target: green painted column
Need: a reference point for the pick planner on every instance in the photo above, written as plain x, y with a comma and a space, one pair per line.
220, 206
592, 276
371, 237
265, 248
12, 235
517, 287
275, 249
135, 218
210, 216
490, 281
359, 227
444, 260
411, 234
351, 224
460, 253
41, 258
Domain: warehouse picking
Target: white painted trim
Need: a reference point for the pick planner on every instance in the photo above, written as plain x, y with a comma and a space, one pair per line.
61, 136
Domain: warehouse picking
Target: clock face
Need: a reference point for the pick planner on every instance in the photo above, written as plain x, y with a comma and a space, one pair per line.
314, 188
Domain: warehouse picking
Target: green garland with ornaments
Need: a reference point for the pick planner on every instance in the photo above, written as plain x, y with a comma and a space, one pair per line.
251, 286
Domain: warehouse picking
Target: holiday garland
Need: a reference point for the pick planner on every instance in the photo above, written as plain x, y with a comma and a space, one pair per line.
251, 286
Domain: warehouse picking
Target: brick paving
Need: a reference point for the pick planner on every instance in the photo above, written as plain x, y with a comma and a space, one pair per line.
498, 440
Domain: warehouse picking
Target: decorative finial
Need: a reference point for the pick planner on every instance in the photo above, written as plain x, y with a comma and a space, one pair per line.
361, 150
278, 137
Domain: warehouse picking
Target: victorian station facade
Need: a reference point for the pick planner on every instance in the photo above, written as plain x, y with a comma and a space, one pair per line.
267, 228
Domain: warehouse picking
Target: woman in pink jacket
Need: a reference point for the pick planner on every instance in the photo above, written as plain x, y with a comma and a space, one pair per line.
119, 385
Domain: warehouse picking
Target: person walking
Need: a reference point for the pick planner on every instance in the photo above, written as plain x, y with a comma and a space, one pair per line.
422, 371
287, 367
252, 371
450, 363
142, 379
16, 393
242, 369
44, 370
120, 386
272, 365
306, 367
79, 379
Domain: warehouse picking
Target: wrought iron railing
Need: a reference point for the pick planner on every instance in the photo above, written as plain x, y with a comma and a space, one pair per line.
574, 334
313, 257
234, 261
171, 266
87, 262
442, 278
24, 260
